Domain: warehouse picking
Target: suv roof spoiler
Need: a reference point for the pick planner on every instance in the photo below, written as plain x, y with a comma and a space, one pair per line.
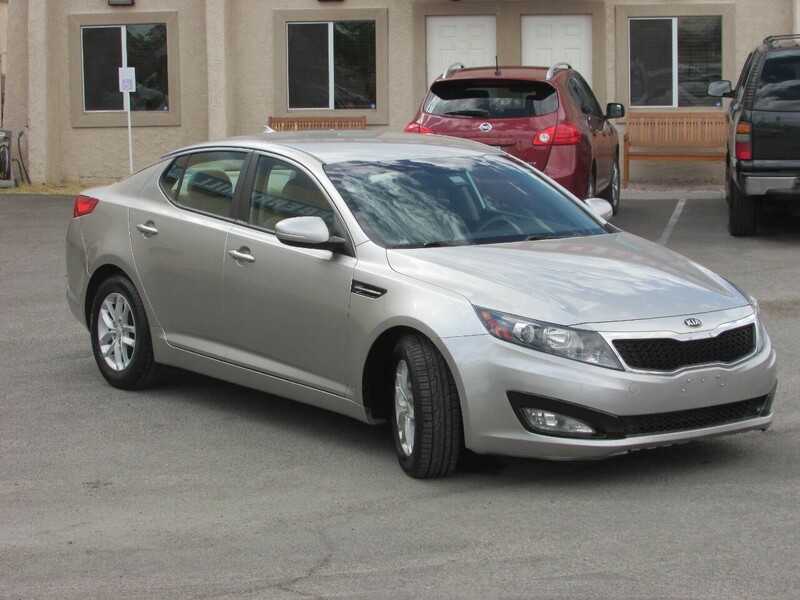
557, 67
773, 41
454, 67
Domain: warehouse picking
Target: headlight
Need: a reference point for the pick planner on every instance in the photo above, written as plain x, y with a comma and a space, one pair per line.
575, 344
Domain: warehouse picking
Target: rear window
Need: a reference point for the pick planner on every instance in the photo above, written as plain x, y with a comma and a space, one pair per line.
493, 99
778, 86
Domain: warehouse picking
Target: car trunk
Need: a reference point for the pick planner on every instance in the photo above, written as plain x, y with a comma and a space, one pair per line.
505, 114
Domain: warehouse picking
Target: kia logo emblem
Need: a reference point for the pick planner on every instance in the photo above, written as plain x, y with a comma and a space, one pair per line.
485, 127
693, 323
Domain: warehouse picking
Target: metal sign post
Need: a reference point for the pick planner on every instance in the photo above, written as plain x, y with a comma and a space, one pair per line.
127, 84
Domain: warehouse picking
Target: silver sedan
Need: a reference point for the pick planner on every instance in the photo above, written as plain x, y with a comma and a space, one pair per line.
437, 284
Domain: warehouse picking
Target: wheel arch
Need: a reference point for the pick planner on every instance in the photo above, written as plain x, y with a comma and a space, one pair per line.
376, 378
100, 275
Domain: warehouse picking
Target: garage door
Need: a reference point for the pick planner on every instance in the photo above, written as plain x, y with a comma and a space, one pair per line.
554, 38
471, 40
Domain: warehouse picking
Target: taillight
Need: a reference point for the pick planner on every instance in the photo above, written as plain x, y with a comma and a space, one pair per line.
415, 127
744, 142
84, 205
564, 134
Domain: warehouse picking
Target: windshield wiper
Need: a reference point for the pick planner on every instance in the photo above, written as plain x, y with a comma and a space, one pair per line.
434, 244
543, 236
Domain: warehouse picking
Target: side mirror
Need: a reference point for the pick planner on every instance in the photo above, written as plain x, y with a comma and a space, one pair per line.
720, 89
602, 208
615, 110
307, 232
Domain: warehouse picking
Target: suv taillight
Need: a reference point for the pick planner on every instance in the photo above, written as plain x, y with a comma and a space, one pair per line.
744, 141
84, 205
417, 128
564, 134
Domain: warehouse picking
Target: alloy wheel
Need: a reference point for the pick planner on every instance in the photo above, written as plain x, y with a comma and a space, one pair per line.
404, 408
116, 332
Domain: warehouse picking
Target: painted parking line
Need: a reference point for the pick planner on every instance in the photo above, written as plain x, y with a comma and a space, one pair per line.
676, 214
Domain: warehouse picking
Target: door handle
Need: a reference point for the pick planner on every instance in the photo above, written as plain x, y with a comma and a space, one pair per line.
148, 229
242, 254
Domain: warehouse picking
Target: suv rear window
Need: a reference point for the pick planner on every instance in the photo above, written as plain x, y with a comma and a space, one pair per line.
496, 99
779, 84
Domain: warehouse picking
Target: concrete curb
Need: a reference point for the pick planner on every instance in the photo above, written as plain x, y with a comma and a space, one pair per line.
689, 194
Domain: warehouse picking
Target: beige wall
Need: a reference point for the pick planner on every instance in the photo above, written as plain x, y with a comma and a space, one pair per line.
55, 150
227, 54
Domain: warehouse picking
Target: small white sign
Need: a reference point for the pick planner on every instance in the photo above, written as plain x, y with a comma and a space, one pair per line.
127, 79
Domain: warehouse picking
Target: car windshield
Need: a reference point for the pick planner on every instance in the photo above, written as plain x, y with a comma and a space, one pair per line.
456, 201
493, 99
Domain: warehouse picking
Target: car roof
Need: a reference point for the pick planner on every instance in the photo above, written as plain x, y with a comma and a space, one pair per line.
346, 146
534, 73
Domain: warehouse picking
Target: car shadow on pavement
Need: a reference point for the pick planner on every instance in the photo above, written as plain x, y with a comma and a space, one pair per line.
318, 426
274, 411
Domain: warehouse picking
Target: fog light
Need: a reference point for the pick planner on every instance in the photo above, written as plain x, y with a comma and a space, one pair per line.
549, 422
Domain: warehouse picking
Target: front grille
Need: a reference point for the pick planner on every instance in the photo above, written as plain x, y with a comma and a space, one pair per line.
665, 354
697, 418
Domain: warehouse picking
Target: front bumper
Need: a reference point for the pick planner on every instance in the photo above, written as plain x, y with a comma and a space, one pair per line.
489, 369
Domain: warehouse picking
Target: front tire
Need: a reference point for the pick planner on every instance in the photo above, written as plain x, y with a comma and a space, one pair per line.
426, 420
121, 342
741, 212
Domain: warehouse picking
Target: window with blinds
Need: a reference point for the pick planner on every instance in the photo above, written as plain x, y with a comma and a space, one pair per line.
672, 60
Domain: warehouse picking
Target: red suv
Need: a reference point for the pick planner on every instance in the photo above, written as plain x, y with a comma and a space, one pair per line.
548, 118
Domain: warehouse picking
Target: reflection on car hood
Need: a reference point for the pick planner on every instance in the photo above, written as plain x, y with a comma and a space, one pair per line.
615, 277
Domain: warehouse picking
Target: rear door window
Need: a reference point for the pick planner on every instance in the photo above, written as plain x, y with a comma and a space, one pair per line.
493, 99
778, 87
204, 181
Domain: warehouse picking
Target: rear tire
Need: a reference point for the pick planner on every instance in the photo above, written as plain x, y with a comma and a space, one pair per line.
611, 193
741, 212
426, 419
591, 186
120, 335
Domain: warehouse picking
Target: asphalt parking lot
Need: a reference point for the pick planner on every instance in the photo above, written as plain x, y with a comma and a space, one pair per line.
202, 489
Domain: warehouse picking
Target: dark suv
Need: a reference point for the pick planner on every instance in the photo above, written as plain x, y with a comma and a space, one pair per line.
763, 163
548, 118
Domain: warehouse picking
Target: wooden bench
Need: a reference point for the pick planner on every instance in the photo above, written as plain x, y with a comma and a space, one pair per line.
699, 136
310, 123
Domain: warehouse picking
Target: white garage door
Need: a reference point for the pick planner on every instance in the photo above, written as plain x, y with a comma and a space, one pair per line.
555, 38
471, 40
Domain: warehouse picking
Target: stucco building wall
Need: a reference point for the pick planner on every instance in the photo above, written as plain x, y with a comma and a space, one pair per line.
230, 84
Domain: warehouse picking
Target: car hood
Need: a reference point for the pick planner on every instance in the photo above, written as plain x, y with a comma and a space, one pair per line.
597, 279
